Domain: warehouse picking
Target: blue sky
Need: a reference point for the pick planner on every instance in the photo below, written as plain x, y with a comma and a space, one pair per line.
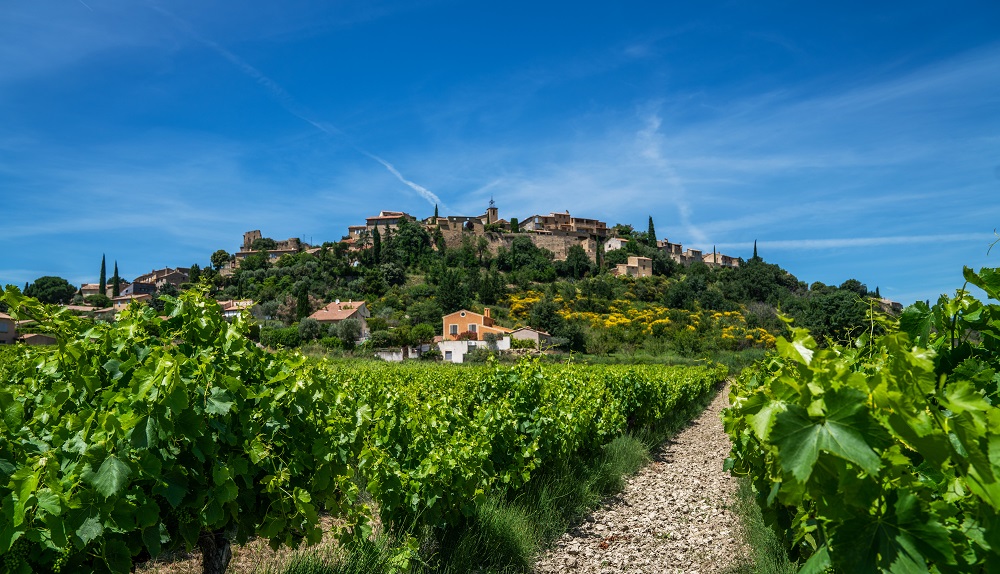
851, 140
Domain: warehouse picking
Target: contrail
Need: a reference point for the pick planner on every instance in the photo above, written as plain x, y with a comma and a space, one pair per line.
291, 105
423, 191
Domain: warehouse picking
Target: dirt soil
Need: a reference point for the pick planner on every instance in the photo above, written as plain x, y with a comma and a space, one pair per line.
672, 516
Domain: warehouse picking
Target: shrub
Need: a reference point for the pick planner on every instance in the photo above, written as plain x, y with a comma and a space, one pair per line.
275, 338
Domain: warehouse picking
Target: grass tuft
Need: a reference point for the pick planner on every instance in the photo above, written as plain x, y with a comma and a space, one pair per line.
767, 554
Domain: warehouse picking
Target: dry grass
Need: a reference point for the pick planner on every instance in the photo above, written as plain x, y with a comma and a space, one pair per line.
254, 557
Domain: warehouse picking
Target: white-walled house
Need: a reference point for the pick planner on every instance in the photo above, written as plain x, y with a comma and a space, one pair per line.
455, 351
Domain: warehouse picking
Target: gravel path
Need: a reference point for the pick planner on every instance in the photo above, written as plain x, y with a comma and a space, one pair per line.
672, 515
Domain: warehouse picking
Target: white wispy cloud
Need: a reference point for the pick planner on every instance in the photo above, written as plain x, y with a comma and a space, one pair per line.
850, 242
292, 105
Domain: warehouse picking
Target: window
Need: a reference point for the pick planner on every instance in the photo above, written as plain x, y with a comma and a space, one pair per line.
472, 327
452, 329
447, 355
3, 327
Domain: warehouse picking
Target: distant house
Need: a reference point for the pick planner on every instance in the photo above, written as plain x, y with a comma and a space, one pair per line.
8, 329
473, 325
88, 289
455, 351
890, 306
714, 259
540, 338
37, 339
122, 301
160, 277
137, 288
615, 243
564, 222
339, 310
636, 267
233, 307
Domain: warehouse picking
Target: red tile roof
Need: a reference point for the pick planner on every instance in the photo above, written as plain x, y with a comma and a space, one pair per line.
337, 311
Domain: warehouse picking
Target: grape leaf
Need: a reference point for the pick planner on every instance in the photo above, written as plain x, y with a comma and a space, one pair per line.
800, 437
111, 477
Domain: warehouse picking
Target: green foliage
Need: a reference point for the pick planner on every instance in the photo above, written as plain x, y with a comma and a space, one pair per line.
99, 300
136, 438
263, 244
220, 259
52, 290
287, 337
309, 329
882, 456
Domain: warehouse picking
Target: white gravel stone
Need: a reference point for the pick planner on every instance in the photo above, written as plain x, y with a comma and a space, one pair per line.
672, 516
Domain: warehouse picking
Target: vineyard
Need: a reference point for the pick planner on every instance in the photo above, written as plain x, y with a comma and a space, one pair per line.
882, 456
173, 430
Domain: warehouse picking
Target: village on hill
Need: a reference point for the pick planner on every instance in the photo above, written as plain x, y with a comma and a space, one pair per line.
445, 286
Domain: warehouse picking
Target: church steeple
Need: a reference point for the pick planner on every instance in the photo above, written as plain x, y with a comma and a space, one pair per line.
492, 213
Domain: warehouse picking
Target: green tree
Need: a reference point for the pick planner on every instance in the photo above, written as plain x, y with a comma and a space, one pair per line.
263, 244
302, 307
577, 262
220, 259
309, 329
422, 333
452, 294
52, 290
651, 234
544, 316
99, 300
855, 286
376, 245
103, 284
435, 212
349, 330
194, 274
515, 227
116, 283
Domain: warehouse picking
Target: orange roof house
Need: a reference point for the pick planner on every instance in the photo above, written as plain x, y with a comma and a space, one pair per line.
465, 321
339, 310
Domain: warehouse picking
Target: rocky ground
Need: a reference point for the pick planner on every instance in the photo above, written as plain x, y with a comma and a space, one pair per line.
672, 516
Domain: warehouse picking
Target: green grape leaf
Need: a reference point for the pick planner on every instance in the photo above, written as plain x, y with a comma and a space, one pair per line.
987, 279
117, 556
916, 322
218, 401
111, 477
151, 538
800, 437
900, 541
90, 529
13, 411
818, 563
49, 501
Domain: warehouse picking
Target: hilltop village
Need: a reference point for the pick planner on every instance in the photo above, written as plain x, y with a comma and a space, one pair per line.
556, 232
452, 287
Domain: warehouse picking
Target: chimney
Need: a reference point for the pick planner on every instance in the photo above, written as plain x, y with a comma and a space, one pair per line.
486, 312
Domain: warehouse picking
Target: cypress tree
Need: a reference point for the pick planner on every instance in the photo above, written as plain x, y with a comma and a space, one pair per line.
651, 234
877, 295
515, 227
103, 284
376, 245
302, 309
435, 211
115, 283
755, 258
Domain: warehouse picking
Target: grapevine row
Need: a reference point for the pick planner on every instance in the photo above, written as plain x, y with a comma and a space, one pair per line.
158, 433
